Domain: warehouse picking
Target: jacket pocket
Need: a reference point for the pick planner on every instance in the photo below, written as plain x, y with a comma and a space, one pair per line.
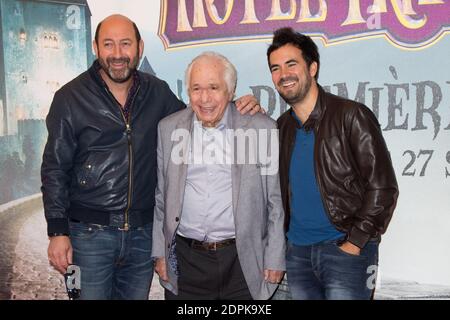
83, 175
89, 172
84, 231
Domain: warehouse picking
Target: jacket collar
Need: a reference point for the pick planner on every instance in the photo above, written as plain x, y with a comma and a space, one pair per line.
94, 71
315, 116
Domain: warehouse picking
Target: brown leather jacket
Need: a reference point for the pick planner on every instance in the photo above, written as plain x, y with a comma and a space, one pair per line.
352, 165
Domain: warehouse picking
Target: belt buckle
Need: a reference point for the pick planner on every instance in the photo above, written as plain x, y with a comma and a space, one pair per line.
208, 246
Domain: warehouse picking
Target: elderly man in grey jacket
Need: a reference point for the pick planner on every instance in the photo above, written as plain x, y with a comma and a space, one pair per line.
218, 225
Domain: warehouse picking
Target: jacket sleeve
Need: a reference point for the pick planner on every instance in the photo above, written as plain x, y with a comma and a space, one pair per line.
377, 174
173, 103
274, 253
158, 247
57, 163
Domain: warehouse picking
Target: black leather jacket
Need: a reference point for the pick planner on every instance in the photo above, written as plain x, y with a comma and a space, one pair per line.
352, 165
96, 167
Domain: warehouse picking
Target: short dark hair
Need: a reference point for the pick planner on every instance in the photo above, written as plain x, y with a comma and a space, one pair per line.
284, 36
136, 31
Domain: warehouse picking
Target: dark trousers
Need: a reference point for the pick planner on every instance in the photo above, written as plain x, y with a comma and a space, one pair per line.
208, 274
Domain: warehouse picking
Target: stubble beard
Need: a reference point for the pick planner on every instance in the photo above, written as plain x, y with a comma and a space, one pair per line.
119, 76
299, 95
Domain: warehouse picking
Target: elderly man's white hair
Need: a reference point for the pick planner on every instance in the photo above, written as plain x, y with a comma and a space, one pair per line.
230, 73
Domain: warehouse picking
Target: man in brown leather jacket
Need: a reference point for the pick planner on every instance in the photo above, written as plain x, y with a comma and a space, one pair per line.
338, 185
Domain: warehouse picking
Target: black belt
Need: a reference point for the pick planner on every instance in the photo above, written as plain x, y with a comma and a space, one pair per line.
113, 223
207, 246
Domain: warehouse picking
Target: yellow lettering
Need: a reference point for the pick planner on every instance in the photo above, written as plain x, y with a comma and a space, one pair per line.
379, 6
305, 12
354, 13
183, 20
183, 24
249, 14
212, 11
403, 9
421, 2
407, 7
277, 14
199, 15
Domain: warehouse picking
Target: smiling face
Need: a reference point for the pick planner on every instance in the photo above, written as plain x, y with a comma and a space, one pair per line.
290, 73
208, 92
118, 50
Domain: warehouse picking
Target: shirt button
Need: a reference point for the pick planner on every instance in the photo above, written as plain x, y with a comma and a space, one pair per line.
177, 219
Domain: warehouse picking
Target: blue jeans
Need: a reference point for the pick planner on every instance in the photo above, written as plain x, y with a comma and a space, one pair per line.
323, 271
114, 264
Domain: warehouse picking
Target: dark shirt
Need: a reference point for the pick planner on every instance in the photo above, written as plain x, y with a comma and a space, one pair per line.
126, 109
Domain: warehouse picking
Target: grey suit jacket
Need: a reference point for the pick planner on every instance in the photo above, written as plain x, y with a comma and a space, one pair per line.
257, 206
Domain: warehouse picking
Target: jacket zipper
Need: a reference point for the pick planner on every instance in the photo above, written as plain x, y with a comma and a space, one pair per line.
126, 225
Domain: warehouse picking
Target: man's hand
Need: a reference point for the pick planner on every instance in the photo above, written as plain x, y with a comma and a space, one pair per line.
160, 268
273, 276
350, 248
249, 103
60, 253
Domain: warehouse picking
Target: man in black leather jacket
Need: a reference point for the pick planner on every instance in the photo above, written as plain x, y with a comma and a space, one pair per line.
338, 185
99, 166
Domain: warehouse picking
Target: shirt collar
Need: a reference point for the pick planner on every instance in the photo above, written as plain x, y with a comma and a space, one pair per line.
309, 123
